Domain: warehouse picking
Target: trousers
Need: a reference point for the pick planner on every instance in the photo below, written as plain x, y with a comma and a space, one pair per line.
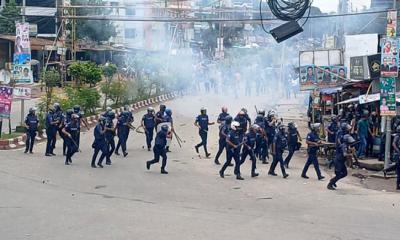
149, 136
278, 158
340, 169
312, 159
159, 151
249, 152
51, 138
232, 154
30, 140
221, 147
203, 135
292, 149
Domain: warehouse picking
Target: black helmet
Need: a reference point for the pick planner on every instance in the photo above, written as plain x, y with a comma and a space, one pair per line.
77, 109
228, 119
281, 128
334, 118
111, 115
348, 139
165, 128
69, 112
162, 107
102, 120
261, 112
292, 125
32, 110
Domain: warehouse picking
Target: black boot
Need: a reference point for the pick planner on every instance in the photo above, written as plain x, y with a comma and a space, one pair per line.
217, 162
163, 171
148, 164
238, 177
254, 174
330, 186
221, 174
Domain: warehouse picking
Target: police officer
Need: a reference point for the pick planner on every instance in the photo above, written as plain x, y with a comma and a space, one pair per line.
396, 147
110, 134
124, 121
71, 134
270, 126
278, 147
51, 131
202, 122
332, 129
60, 119
313, 142
222, 116
262, 139
68, 118
160, 149
160, 116
82, 120
249, 147
246, 115
341, 154
242, 120
170, 123
31, 124
233, 146
148, 124
223, 133
99, 143
293, 141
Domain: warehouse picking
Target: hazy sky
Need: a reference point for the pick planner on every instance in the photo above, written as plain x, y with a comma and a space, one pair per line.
331, 5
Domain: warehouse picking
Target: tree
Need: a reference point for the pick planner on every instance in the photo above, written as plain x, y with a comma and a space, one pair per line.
10, 14
95, 30
109, 70
50, 79
85, 73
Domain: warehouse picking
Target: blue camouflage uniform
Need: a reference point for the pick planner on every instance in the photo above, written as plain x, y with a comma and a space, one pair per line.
32, 123
98, 145
203, 121
149, 125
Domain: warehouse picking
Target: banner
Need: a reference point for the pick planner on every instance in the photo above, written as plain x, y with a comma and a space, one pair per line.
388, 96
390, 57
5, 76
391, 24
357, 68
22, 93
339, 74
5, 101
313, 77
22, 43
374, 66
22, 74
308, 79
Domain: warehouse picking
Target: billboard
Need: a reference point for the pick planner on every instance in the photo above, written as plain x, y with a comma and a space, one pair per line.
388, 96
22, 74
313, 77
390, 57
5, 101
22, 93
21, 71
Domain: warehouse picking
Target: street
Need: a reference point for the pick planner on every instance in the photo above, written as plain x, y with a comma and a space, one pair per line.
41, 198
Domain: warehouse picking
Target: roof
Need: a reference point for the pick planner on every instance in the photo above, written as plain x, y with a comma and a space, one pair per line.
36, 43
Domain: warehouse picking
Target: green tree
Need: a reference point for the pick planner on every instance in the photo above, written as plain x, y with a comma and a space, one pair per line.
109, 70
10, 14
50, 79
95, 30
85, 73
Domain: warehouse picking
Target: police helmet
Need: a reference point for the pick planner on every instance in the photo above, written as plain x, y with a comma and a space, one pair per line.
348, 139
69, 112
102, 120
255, 127
162, 107
261, 112
56, 106
108, 109
150, 109
74, 116
345, 127
126, 108
315, 126
291, 125
203, 110
111, 115
235, 125
168, 112
51, 110
77, 108
334, 118
32, 110
365, 113
165, 128
228, 119
241, 113
224, 109
281, 128
244, 110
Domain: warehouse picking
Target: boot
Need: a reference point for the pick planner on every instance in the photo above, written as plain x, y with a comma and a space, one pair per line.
208, 155
254, 174
330, 186
148, 164
221, 174
125, 154
238, 177
163, 171
272, 174
217, 162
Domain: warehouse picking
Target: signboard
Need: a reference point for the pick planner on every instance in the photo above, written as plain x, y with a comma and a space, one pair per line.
391, 23
22, 74
312, 77
22, 93
388, 96
33, 29
363, 99
390, 57
22, 43
308, 78
374, 66
5, 101
357, 68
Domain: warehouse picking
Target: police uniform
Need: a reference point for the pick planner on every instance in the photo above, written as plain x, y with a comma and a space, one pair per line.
149, 124
73, 129
248, 150
60, 119
223, 132
159, 119
333, 127
261, 149
159, 151
202, 121
312, 156
242, 120
109, 135
221, 117
167, 121
279, 144
340, 164
31, 122
51, 131
98, 145
68, 118
123, 131
233, 137
293, 138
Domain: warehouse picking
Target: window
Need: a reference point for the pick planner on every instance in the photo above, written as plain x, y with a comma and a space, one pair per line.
130, 33
130, 12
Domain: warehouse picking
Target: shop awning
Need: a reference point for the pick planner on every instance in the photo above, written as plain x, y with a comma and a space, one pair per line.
363, 99
330, 90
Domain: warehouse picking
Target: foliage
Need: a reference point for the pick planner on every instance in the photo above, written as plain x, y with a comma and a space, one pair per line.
50, 79
117, 91
85, 72
87, 98
109, 70
95, 30
10, 14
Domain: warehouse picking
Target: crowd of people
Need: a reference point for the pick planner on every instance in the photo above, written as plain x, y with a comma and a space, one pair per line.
239, 136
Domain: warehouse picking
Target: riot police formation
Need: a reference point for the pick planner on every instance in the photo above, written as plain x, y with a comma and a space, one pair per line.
313, 142
124, 123
31, 124
148, 124
202, 122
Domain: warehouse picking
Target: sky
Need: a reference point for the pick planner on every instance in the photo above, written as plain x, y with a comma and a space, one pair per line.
331, 5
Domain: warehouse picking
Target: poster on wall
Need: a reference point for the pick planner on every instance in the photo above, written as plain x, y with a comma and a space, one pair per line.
388, 96
324, 75
308, 80
5, 101
5, 76
22, 43
357, 68
339, 74
389, 58
22, 74
22, 93
391, 23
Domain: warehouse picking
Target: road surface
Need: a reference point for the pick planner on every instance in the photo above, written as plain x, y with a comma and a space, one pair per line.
40, 198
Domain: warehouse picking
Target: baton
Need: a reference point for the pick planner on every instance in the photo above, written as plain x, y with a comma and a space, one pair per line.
138, 129
76, 145
177, 139
256, 108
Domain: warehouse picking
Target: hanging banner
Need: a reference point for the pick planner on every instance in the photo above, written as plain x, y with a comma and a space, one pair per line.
391, 24
388, 96
22, 74
5, 101
339, 74
22, 93
390, 57
308, 79
22, 43
21, 71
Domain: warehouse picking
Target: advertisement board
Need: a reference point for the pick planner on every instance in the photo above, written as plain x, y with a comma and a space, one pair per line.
388, 96
5, 101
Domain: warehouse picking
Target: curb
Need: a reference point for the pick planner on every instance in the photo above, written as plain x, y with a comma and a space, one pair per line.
19, 142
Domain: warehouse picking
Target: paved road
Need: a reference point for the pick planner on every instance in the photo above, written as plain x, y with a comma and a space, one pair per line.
40, 198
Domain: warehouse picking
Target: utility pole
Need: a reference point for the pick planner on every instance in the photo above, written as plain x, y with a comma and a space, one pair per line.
22, 100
